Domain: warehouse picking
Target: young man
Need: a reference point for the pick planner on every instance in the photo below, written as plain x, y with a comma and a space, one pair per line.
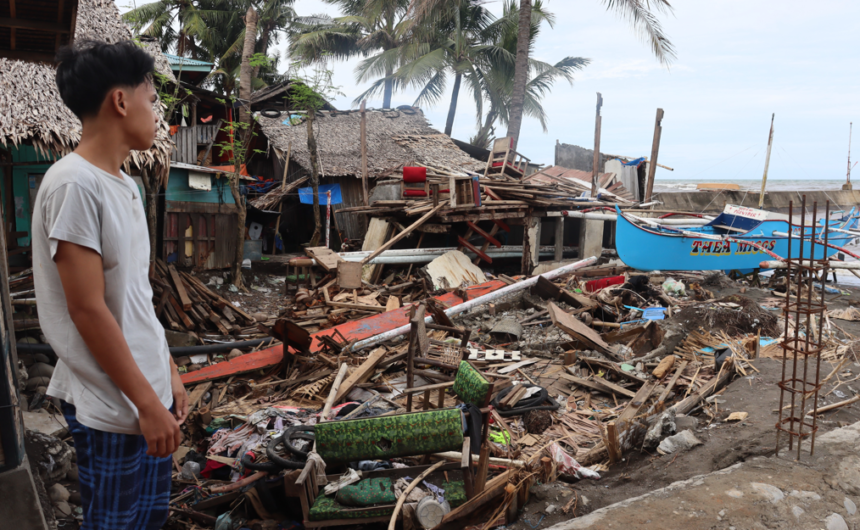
115, 376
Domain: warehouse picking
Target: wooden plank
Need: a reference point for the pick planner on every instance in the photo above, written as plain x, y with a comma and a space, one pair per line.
517, 366
357, 307
196, 395
326, 259
672, 382
377, 233
180, 287
577, 329
176, 307
408, 230
362, 374
601, 385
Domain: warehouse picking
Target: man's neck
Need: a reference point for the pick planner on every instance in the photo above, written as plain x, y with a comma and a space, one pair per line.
103, 149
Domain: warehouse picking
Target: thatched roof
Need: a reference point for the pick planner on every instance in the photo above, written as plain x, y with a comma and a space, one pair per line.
394, 138
33, 112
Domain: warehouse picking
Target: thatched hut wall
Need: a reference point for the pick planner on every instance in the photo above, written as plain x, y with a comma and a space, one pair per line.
34, 113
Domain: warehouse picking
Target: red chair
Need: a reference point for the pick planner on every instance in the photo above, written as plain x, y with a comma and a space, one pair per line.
414, 183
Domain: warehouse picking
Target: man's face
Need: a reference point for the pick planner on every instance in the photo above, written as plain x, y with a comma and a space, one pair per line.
141, 120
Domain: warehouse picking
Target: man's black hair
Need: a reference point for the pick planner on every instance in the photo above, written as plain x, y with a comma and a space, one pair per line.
88, 70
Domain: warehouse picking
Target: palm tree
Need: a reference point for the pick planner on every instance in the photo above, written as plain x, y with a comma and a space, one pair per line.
459, 41
638, 12
497, 81
374, 28
179, 25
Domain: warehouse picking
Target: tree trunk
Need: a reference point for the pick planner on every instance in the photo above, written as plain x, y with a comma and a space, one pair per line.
389, 88
264, 46
240, 232
521, 73
150, 188
245, 70
315, 179
452, 110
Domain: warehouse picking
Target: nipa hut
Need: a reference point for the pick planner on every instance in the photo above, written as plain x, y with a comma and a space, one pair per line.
395, 138
36, 128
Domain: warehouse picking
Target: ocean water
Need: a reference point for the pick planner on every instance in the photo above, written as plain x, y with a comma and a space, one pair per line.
670, 185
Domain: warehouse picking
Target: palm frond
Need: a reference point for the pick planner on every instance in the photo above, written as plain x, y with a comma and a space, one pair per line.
433, 90
646, 24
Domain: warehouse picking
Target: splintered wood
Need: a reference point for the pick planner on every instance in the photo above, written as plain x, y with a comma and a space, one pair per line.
183, 303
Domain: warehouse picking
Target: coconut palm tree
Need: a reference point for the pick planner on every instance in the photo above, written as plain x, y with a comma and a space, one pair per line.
457, 42
497, 81
640, 13
376, 29
179, 25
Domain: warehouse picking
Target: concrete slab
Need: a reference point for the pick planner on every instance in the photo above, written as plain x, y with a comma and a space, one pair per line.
45, 423
20, 506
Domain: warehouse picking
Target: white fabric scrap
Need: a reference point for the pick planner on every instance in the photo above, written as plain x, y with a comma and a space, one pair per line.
319, 467
568, 465
350, 477
414, 496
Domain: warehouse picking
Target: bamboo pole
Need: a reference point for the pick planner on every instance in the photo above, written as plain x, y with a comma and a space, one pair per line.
595, 169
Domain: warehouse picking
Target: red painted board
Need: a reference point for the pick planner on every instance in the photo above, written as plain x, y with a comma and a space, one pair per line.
353, 330
240, 365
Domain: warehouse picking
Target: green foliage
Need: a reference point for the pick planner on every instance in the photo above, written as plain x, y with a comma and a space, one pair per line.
312, 88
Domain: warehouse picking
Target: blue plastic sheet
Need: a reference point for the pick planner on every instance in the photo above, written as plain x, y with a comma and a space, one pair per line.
306, 195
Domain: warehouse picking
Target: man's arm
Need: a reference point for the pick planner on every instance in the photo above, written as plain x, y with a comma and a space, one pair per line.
82, 275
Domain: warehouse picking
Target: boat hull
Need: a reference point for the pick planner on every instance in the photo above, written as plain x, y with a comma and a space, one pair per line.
644, 249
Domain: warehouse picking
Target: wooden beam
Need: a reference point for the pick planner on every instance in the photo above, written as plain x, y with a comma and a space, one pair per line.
364, 189
362, 374
655, 149
180, 288
595, 170
464, 243
402, 234
38, 25
484, 234
601, 385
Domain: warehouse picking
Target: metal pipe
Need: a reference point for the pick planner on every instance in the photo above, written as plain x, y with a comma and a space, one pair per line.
846, 265
404, 256
613, 217
481, 300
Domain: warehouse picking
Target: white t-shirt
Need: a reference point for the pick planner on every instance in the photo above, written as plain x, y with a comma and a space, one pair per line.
82, 204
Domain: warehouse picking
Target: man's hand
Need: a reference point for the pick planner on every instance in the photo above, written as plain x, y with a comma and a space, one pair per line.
180, 397
160, 430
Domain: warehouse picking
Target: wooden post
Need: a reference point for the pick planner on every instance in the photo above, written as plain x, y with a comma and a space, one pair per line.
364, 190
766, 162
595, 170
655, 149
531, 244
281, 204
559, 238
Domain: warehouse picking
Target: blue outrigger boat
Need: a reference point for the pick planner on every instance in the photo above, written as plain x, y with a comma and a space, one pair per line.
737, 239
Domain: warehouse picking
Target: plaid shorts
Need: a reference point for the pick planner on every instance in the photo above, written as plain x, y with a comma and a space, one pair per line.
122, 488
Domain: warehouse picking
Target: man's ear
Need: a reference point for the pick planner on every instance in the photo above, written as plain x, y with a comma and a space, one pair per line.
118, 100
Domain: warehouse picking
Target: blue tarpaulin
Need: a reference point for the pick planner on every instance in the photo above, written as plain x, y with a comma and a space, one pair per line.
635, 162
306, 195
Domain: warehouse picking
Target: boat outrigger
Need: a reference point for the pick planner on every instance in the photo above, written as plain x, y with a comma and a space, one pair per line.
739, 238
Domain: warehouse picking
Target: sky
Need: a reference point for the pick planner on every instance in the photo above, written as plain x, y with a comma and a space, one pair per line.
738, 61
